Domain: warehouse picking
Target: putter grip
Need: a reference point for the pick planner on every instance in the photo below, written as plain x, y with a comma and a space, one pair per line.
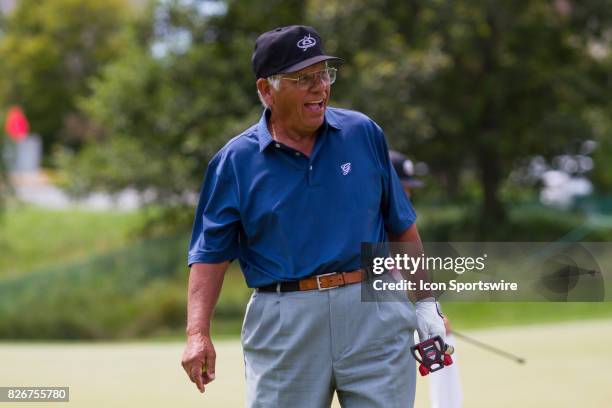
449, 349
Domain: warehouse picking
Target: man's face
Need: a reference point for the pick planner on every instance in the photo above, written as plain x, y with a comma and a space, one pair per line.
301, 109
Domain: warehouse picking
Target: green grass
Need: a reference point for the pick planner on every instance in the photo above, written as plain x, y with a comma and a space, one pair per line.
477, 315
33, 238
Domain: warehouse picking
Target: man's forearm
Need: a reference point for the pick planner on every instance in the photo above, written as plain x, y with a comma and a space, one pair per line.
411, 235
205, 281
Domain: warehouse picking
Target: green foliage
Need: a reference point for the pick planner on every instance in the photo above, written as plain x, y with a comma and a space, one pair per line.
4, 184
49, 51
601, 175
473, 88
464, 86
525, 223
163, 118
471, 84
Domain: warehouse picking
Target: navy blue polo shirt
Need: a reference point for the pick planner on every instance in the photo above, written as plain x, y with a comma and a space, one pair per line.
287, 216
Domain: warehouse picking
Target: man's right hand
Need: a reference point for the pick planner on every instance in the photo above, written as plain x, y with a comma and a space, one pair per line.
199, 359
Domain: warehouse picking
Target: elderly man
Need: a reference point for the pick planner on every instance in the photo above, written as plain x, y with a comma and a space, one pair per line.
293, 197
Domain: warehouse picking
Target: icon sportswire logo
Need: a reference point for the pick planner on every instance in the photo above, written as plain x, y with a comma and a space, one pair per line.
346, 168
306, 42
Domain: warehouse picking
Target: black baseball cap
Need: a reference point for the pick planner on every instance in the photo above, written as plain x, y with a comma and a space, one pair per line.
288, 49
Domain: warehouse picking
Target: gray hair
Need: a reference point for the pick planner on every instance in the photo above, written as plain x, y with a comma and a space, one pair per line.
274, 82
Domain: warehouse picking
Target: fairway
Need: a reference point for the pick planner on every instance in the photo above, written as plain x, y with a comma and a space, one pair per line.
558, 373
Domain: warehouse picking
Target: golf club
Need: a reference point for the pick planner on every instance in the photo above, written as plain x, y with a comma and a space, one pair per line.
492, 349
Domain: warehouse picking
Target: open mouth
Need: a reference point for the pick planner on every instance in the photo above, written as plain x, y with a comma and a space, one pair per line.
314, 106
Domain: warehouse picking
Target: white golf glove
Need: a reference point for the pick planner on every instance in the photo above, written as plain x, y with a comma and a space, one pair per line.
429, 319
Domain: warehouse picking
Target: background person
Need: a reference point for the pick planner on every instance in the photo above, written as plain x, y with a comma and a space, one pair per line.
444, 385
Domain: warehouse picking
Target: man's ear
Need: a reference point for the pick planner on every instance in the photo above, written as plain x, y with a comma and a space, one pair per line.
265, 89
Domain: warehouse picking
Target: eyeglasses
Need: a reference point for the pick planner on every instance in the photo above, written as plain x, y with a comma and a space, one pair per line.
306, 81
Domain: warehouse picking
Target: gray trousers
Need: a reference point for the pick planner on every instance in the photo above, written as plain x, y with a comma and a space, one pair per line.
301, 346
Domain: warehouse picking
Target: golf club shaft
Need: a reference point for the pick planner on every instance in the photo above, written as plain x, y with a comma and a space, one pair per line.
489, 348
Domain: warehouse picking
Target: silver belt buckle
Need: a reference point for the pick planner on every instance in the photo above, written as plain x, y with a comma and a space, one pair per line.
319, 282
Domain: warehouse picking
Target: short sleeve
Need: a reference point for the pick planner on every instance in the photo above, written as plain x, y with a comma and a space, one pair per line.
397, 210
216, 226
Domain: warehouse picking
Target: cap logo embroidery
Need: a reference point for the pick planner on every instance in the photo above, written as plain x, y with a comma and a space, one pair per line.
346, 168
306, 42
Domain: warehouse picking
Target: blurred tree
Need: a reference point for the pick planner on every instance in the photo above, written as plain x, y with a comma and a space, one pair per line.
601, 175
49, 50
475, 84
3, 176
460, 84
170, 101
4, 181
2, 22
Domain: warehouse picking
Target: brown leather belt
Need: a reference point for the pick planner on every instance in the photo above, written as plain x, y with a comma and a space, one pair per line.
319, 282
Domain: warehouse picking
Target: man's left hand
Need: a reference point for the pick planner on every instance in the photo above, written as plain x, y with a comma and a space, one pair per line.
430, 321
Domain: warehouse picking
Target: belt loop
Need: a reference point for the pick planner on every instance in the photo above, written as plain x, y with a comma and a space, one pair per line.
278, 286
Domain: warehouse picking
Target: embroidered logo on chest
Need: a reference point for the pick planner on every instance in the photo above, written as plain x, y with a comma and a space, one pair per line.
346, 168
